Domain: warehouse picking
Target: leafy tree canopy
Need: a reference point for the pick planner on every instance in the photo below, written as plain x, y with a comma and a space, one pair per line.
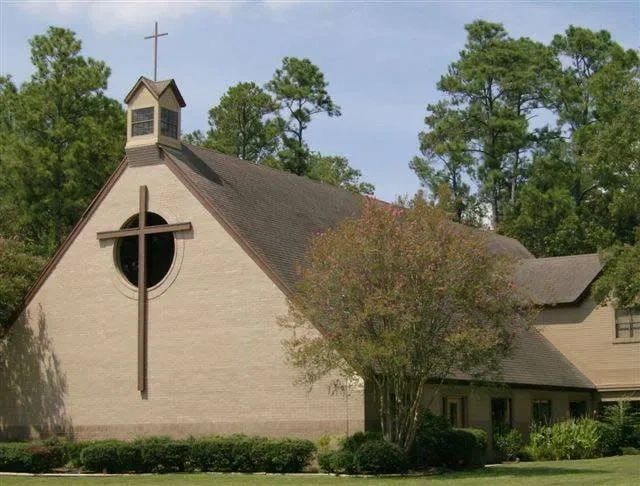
62, 137
402, 296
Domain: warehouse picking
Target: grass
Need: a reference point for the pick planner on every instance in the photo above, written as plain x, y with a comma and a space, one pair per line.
619, 471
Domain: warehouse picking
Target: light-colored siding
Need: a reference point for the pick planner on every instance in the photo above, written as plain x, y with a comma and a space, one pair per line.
585, 335
215, 359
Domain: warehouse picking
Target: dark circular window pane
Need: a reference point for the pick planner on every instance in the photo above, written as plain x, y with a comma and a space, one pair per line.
160, 250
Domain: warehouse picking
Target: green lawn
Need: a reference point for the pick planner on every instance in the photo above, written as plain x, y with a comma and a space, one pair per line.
617, 471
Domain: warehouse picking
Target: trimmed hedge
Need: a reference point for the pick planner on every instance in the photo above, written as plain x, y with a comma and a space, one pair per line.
438, 444
366, 453
236, 453
380, 457
160, 455
28, 457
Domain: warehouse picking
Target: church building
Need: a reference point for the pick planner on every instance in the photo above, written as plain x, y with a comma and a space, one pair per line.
158, 315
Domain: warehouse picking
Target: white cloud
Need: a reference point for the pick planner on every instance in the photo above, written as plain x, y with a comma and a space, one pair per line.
108, 16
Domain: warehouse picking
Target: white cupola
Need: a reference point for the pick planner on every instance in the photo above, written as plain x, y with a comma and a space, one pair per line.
153, 113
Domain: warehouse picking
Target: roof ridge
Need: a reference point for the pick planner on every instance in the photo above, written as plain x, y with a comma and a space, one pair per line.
274, 169
560, 257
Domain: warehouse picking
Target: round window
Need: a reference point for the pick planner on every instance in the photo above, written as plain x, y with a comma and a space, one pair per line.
159, 247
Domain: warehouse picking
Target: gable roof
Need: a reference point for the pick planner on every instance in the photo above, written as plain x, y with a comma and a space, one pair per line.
277, 212
273, 215
156, 88
557, 280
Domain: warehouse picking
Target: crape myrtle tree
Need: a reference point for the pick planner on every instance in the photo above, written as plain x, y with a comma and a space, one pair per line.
403, 298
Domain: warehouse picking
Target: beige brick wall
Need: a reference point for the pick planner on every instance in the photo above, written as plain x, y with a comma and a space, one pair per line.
215, 361
585, 334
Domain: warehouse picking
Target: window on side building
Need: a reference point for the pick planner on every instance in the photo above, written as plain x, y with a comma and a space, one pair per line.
501, 414
578, 409
627, 324
541, 412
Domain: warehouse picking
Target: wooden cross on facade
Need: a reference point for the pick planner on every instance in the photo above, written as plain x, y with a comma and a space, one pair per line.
155, 36
141, 232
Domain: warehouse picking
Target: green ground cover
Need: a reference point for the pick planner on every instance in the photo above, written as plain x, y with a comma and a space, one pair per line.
619, 471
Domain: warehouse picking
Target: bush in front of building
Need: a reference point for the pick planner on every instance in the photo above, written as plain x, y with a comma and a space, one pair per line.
380, 457
507, 444
28, 457
237, 453
439, 444
571, 439
620, 427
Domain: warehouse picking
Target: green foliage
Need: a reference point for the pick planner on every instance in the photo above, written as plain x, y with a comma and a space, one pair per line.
571, 439
18, 270
402, 278
508, 444
335, 170
300, 90
240, 123
28, 457
438, 444
337, 462
237, 453
620, 428
61, 139
620, 282
353, 442
380, 457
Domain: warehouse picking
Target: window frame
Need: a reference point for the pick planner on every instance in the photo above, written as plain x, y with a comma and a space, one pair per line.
632, 324
508, 423
135, 122
538, 401
460, 403
168, 128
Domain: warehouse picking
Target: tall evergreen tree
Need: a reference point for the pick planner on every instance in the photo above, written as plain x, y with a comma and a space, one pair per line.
582, 193
240, 123
300, 90
62, 137
493, 89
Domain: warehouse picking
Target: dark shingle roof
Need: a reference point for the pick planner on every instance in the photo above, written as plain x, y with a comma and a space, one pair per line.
557, 280
157, 88
277, 213
534, 361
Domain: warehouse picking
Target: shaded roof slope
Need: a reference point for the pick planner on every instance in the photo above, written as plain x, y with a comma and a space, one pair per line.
534, 361
557, 280
277, 212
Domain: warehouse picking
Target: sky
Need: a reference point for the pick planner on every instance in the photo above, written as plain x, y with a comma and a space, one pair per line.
382, 59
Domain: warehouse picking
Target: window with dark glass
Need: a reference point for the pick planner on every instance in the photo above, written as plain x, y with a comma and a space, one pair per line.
141, 121
501, 413
578, 409
160, 249
453, 410
627, 323
542, 411
169, 123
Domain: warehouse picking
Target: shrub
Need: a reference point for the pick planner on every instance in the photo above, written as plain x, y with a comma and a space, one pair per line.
380, 457
620, 428
353, 442
507, 444
28, 457
629, 451
438, 444
287, 455
161, 454
571, 439
338, 462
112, 457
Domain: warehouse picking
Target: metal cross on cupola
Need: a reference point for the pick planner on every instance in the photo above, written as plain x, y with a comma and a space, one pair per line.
155, 36
142, 231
